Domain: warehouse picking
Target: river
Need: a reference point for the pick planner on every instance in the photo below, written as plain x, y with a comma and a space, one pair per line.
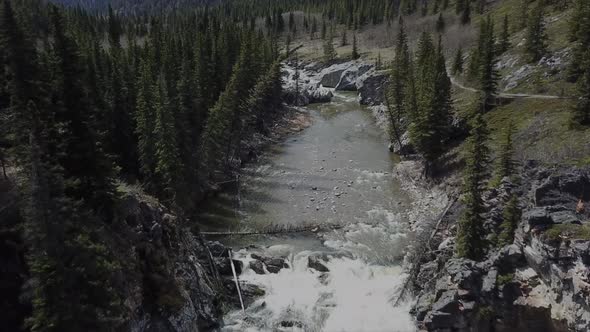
338, 172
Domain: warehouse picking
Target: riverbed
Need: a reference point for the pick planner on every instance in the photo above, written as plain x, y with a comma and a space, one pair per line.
336, 172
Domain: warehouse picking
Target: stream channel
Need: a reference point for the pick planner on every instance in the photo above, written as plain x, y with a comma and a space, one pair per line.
338, 171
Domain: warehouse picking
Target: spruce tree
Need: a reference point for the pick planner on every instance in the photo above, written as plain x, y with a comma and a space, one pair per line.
145, 124
458, 62
396, 97
471, 234
505, 162
329, 51
440, 23
344, 40
510, 219
486, 56
536, 37
581, 111
504, 37
430, 124
167, 157
466, 13
355, 51
524, 13
579, 33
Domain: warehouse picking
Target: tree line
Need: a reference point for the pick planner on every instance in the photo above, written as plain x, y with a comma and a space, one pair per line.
87, 100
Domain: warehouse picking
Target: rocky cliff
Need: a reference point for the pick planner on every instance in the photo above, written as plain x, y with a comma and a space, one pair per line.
538, 283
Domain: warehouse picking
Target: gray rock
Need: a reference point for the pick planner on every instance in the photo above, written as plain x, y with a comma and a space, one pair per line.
224, 267
257, 266
537, 217
314, 262
373, 88
489, 282
447, 303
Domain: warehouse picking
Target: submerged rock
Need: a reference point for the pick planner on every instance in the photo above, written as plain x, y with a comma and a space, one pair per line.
314, 262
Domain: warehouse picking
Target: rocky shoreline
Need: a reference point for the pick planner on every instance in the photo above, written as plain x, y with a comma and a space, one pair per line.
538, 283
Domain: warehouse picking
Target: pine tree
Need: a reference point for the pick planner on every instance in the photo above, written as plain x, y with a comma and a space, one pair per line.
504, 37
524, 13
505, 163
466, 13
329, 51
379, 62
396, 97
458, 62
344, 40
486, 56
324, 30
581, 112
536, 40
579, 33
430, 125
471, 234
166, 148
355, 51
440, 23
511, 218
93, 182
145, 123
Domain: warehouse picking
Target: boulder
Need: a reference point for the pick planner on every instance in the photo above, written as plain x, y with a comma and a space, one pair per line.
315, 94
331, 77
224, 266
257, 266
372, 90
314, 262
349, 81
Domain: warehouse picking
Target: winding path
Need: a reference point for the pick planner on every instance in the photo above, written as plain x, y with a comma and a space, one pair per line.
508, 95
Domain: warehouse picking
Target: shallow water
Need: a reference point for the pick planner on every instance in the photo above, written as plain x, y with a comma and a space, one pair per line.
337, 171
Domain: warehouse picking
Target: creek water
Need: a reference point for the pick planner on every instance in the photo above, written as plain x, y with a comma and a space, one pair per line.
337, 171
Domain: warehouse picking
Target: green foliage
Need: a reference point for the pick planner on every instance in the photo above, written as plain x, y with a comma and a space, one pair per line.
567, 231
458, 62
355, 52
440, 24
504, 44
471, 234
431, 120
505, 163
536, 37
511, 218
329, 51
504, 279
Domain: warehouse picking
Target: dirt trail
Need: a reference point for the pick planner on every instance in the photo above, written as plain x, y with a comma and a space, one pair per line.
508, 95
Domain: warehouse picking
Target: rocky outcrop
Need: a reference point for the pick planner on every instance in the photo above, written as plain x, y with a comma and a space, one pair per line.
539, 283
351, 78
169, 279
372, 87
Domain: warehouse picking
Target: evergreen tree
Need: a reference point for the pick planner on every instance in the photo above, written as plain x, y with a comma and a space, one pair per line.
344, 40
430, 124
505, 163
93, 182
486, 58
581, 112
324, 30
355, 51
536, 40
524, 13
397, 96
579, 33
471, 234
329, 51
145, 123
440, 23
458, 62
504, 37
466, 13
166, 148
511, 218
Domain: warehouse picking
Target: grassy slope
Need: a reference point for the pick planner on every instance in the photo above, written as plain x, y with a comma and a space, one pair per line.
543, 131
